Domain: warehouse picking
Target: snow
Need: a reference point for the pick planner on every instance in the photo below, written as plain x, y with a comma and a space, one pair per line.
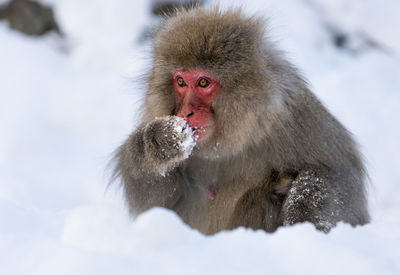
66, 105
189, 140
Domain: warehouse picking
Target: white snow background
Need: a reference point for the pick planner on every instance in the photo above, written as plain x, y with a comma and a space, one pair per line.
66, 105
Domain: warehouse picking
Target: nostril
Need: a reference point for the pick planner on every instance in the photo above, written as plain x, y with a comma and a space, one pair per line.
190, 114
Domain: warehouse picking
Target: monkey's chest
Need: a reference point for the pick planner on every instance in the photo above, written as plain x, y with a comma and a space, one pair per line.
214, 202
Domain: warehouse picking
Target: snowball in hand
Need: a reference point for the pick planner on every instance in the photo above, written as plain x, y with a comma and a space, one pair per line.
186, 140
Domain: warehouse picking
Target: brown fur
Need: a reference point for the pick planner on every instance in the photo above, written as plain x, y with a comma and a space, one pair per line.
276, 156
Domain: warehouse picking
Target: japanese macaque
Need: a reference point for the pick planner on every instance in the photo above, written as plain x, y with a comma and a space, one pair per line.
231, 135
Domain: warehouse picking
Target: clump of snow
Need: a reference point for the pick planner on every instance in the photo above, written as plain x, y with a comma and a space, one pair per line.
189, 140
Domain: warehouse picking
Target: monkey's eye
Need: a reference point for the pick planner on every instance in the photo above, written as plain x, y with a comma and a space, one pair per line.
181, 82
204, 83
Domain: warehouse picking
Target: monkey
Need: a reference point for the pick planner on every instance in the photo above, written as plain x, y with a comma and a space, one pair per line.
231, 136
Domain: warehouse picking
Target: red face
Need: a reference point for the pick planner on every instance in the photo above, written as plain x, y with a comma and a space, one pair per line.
195, 91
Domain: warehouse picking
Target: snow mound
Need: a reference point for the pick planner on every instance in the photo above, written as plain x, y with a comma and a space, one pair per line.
63, 113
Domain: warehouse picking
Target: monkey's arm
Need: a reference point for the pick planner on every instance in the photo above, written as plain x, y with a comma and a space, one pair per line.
259, 208
311, 198
287, 198
148, 164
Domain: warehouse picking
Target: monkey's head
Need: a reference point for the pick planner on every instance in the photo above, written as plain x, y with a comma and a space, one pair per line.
210, 69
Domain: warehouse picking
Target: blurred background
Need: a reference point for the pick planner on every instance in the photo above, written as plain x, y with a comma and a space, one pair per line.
70, 92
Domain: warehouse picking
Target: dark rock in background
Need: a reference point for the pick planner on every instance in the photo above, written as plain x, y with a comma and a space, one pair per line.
29, 17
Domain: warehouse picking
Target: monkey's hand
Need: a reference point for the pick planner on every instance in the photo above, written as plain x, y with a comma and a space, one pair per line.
309, 200
167, 141
147, 163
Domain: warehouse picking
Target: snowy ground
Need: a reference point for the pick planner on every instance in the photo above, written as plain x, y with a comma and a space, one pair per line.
65, 106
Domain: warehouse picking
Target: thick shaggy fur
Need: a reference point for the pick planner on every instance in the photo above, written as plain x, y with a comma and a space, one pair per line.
276, 156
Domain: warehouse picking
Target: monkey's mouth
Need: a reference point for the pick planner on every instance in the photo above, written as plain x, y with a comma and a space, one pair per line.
201, 131
198, 128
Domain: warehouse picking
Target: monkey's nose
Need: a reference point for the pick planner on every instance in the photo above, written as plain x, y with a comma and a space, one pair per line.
190, 114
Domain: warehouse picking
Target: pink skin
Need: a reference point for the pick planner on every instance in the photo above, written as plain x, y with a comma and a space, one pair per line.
194, 100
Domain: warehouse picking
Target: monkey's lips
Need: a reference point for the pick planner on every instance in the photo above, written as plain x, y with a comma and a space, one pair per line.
201, 131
